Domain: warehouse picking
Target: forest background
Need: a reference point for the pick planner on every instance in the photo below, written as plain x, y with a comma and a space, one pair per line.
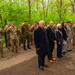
34, 10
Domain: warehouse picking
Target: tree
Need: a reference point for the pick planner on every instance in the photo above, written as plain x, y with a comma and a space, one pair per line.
72, 2
29, 3
31, 10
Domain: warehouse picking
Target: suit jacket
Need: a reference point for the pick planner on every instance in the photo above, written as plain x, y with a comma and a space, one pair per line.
51, 35
41, 41
59, 36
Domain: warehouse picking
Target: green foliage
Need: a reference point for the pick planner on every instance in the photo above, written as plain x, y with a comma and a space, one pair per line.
18, 11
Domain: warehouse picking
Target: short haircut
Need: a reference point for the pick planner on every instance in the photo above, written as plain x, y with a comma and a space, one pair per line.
58, 25
51, 22
25, 21
42, 21
68, 21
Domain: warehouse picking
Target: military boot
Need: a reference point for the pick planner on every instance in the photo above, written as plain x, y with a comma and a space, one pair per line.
25, 48
17, 51
28, 47
9, 49
13, 53
2, 55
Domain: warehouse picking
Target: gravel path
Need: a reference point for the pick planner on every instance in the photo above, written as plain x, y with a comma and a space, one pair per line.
64, 66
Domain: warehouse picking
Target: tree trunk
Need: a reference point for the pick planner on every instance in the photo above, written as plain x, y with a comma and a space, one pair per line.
73, 5
47, 8
29, 3
60, 10
43, 8
37, 5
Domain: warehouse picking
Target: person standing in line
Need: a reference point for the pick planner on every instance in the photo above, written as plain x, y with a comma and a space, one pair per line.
7, 37
59, 37
41, 43
14, 40
32, 29
64, 32
52, 41
69, 34
26, 35
73, 35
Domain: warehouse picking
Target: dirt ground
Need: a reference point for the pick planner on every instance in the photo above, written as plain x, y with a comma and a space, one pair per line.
63, 66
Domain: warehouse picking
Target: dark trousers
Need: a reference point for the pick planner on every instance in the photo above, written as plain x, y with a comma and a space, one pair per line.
50, 56
20, 40
41, 60
5, 39
59, 49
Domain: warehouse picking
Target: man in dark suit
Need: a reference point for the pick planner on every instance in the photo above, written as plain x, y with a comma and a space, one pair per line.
59, 37
52, 41
41, 42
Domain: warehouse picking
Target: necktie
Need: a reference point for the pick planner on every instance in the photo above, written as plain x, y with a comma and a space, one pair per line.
52, 29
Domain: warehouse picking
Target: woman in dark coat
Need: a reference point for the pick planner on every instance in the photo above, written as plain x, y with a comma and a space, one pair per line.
59, 37
64, 32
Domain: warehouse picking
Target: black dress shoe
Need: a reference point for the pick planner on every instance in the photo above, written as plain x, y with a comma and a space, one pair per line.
41, 68
45, 66
60, 56
69, 50
25, 49
29, 48
64, 53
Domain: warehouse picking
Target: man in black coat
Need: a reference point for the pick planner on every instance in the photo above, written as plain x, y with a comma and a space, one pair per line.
41, 42
52, 41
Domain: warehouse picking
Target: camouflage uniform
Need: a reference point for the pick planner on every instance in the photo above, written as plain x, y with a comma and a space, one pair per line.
26, 36
32, 29
13, 38
69, 39
1, 42
73, 35
7, 37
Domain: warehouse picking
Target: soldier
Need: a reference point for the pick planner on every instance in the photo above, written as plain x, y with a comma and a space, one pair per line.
13, 38
7, 37
32, 29
1, 42
69, 34
73, 34
26, 35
